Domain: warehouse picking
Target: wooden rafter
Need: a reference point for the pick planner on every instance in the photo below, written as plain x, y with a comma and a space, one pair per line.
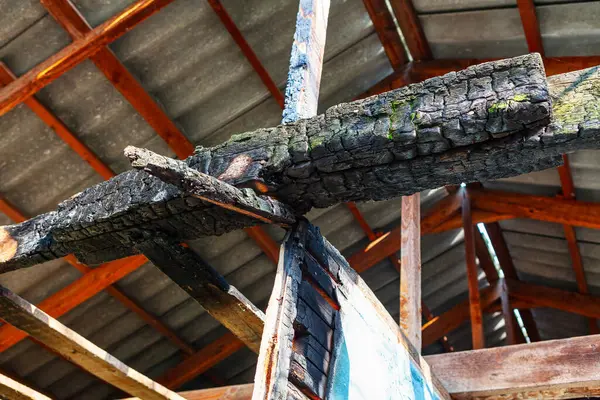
246, 49
411, 28
531, 26
234, 392
387, 32
66, 14
510, 272
568, 192
77, 349
70, 56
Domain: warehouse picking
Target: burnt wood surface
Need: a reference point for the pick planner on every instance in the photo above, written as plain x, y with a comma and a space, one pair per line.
489, 121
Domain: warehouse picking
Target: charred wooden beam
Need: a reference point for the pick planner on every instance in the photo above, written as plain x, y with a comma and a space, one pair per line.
77, 349
205, 285
489, 121
555, 369
210, 189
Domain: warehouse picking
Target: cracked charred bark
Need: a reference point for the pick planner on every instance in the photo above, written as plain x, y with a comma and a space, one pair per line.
489, 121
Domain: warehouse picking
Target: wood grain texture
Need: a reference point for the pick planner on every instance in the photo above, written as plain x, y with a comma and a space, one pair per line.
555, 369
233, 392
510, 272
10, 389
70, 56
77, 349
410, 273
477, 333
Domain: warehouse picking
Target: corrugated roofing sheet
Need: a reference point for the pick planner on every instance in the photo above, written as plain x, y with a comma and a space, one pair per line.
185, 58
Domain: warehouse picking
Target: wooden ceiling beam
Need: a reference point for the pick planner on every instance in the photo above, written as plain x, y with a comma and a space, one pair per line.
531, 27
554, 369
544, 296
47, 71
386, 29
234, 392
542, 208
246, 49
67, 15
77, 349
411, 28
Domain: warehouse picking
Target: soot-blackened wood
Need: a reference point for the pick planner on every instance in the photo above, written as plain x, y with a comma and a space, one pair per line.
210, 189
221, 300
488, 121
367, 357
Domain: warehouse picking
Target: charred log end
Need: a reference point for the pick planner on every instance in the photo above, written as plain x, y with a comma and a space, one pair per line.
8, 246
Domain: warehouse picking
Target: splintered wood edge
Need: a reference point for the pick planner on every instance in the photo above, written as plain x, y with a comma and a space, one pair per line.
8, 245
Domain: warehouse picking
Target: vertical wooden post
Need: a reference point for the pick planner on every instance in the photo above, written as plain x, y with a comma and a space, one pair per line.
509, 319
306, 61
474, 300
410, 272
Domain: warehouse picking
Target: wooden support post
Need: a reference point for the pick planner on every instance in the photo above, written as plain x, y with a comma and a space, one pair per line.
221, 300
306, 61
77, 349
474, 299
410, 272
50, 69
11, 389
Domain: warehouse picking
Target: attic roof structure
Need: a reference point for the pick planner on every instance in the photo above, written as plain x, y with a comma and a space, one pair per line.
199, 199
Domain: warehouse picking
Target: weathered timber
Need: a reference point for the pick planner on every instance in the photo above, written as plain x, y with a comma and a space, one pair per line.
77, 349
368, 354
11, 389
210, 189
554, 369
489, 121
410, 272
234, 392
204, 284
